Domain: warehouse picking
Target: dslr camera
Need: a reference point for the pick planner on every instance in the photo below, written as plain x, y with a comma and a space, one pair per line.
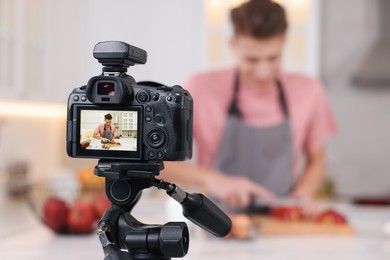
114, 117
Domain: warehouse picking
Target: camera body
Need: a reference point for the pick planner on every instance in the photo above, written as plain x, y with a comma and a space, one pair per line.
113, 117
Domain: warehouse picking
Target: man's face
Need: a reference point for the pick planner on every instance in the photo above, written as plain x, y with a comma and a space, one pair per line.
258, 60
108, 122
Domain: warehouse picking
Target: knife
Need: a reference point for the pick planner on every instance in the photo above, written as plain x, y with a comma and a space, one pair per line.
260, 205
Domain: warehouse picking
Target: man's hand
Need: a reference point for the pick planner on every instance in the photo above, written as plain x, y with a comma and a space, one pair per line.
310, 182
310, 207
235, 191
104, 139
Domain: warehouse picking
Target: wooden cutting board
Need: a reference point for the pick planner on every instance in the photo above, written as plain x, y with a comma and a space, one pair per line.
271, 226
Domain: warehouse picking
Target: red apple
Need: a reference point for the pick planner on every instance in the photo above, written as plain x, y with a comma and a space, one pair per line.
55, 212
81, 217
85, 144
100, 203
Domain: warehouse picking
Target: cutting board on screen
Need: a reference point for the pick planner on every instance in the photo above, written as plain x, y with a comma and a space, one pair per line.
271, 226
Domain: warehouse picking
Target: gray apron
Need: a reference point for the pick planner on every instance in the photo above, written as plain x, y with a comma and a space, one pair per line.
107, 134
262, 154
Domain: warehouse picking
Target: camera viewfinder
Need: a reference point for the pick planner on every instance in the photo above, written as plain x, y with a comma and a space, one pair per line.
106, 88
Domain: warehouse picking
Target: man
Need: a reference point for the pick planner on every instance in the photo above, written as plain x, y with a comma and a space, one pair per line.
105, 132
253, 124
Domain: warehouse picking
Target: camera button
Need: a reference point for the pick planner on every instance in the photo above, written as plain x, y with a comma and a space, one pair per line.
160, 155
143, 97
155, 138
148, 109
158, 119
169, 98
155, 97
148, 118
83, 98
76, 98
151, 154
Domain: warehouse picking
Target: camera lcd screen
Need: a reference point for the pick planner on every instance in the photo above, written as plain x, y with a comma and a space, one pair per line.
109, 130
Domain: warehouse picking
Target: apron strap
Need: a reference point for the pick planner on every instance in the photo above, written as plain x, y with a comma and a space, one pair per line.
282, 97
233, 108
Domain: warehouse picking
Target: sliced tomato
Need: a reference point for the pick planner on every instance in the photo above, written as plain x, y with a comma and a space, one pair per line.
331, 217
287, 214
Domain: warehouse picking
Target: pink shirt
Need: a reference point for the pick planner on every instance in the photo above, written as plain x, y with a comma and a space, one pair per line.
100, 129
311, 117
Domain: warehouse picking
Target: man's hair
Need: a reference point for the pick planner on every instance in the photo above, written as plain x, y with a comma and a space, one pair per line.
259, 19
108, 116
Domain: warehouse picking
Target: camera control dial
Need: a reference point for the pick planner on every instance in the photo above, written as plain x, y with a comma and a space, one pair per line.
143, 97
156, 138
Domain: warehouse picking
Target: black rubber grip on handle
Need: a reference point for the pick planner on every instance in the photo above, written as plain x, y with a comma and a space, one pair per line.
204, 213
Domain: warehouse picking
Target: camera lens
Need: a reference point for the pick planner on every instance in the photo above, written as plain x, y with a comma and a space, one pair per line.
106, 88
156, 138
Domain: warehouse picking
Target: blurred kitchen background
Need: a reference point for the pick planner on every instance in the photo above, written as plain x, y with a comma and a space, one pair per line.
46, 51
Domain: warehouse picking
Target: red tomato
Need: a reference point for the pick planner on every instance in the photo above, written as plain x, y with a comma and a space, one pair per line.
81, 217
331, 217
287, 213
100, 203
54, 214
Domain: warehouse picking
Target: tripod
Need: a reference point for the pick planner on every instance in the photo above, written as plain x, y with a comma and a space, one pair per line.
123, 237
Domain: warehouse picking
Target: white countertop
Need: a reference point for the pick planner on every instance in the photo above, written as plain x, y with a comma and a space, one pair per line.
127, 144
23, 237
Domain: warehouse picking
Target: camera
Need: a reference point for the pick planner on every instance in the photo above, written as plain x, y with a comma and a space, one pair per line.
133, 128
114, 117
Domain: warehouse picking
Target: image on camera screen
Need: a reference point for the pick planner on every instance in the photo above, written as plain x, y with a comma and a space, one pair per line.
108, 130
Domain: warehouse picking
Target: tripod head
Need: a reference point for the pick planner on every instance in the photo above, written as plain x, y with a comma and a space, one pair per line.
119, 230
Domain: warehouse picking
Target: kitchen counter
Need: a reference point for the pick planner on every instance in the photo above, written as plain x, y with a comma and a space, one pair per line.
127, 144
29, 240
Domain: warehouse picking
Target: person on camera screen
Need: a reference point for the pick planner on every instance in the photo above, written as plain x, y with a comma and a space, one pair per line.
254, 124
106, 131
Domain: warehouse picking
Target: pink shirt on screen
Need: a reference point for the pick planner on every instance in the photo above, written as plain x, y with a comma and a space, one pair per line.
100, 129
310, 114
